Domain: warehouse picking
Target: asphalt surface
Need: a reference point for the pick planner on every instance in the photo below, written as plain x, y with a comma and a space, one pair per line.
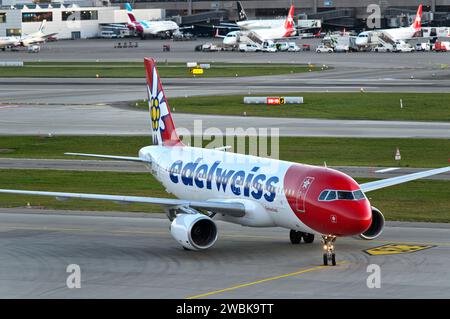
121, 166
182, 51
88, 106
134, 256
99, 119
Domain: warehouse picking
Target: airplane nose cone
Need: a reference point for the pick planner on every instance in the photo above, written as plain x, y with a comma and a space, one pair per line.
351, 219
358, 220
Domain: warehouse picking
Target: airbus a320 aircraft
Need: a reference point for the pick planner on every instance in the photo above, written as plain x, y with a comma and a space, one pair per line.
283, 31
28, 39
251, 191
394, 34
143, 27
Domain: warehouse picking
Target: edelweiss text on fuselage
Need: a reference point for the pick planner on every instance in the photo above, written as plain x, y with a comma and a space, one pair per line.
202, 176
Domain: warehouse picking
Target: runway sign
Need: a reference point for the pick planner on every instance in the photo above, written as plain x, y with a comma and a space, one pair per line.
394, 249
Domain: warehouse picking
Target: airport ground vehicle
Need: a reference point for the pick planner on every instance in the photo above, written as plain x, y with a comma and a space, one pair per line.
403, 47
282, 46
324, 49
342, 48
423, 46
383, 48
441, 46
247, 47
211, 184
208, 47
34, 49
293, 47
269, 46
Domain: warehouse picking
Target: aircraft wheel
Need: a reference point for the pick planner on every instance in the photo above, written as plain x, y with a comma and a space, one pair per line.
325, 260
295, 237
333, 259
308, 238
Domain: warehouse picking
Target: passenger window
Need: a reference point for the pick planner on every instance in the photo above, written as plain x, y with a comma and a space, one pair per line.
323, 195
331, 195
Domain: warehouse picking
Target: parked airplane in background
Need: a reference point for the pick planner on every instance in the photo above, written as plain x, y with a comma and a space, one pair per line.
212, 184
243, 23
28, 39
246, 24
36, 37
154, 28
286, 30
8, 42
393, 35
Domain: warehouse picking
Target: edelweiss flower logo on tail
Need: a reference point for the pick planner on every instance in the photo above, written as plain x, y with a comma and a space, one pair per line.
158, 108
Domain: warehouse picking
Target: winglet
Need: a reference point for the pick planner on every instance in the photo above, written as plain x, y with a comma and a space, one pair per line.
163, 129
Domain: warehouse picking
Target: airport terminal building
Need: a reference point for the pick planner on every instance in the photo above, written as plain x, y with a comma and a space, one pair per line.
69, 20
86, 18
333, 13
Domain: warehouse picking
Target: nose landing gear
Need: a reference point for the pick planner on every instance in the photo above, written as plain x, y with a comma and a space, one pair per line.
328, 246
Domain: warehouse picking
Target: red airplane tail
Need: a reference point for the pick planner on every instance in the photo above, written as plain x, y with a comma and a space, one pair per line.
289, 22
417, 24
163, 129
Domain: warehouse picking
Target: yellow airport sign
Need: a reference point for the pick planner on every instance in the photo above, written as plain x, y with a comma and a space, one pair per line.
394, 249
197, 71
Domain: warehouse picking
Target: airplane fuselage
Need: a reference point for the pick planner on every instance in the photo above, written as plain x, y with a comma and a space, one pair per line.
278, 193
155, 27
260, 24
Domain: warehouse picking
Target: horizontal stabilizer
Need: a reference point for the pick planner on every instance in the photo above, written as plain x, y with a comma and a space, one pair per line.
119, 158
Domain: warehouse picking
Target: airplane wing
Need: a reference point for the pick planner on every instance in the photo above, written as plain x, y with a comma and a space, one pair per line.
227, 208
118, 26
114, 157
371, 186
50, 35
185, 28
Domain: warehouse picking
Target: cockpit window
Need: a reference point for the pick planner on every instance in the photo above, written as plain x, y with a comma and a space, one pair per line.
345, 195
359, 195
323, 195
330, 195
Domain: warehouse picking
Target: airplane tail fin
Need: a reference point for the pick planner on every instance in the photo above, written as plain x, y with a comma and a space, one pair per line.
242, 16
130, 13
163, 129
289, 22
417, 24
42, 26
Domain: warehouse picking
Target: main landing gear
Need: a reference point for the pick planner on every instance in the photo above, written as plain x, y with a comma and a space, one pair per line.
328, 246
297, 236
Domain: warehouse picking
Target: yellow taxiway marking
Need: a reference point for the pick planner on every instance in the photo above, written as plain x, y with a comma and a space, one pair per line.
394, 249
257, 282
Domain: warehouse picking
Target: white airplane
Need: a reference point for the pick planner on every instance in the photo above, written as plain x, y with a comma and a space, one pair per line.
286, 30
28, 39
396, 34
154, 28
212, 184
246, 24
7, 42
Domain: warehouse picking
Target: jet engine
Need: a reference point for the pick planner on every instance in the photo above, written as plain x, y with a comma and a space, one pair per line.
194, 231
376, 227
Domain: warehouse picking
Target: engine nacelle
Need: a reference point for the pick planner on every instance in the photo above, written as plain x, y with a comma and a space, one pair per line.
194, 231
376, 227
